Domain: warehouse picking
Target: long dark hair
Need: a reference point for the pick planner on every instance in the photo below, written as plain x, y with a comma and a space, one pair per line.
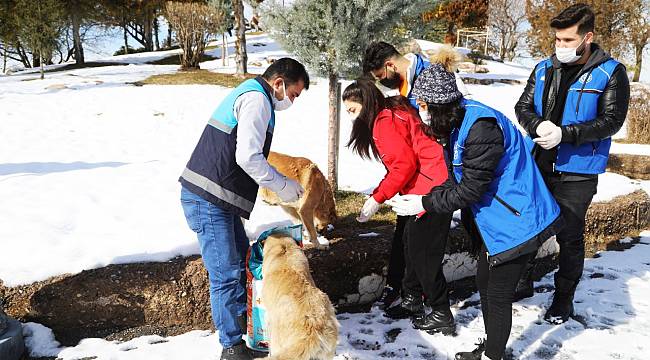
364, 92
444, 118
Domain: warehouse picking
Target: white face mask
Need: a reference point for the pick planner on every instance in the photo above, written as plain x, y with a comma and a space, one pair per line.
568, 55
283, 104
426, 117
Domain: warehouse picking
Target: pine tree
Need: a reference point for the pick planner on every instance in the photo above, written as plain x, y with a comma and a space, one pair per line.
40, 25
12, 47
330, 37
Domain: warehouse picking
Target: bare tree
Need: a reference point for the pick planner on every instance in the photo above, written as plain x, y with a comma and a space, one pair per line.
637, 14
506, 19
193, 22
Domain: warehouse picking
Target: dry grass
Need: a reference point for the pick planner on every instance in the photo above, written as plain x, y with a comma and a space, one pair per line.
348, 205
202, 77
638, 126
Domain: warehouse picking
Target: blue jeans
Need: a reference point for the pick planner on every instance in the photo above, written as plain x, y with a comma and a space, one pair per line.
224, 244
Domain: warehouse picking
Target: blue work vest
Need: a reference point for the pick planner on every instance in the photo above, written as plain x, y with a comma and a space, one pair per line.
212, 171
518, 205
581, 106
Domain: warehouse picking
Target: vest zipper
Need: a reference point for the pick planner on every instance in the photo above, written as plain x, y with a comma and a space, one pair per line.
512, 210
582, 89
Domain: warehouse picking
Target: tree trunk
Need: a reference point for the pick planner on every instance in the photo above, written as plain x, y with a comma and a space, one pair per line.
40, 58
169, 35
78, 47
241, 57
156, 42
126, 40
4, 59
639, 59
333, 130
224, 50
502, 47
148, 31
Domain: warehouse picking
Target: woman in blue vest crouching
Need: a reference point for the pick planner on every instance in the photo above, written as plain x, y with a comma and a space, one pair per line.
507, 208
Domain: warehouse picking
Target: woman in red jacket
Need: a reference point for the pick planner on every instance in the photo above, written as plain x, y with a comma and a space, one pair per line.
389, 130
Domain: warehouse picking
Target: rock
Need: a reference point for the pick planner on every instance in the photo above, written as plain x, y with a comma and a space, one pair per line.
632, 166
472, 68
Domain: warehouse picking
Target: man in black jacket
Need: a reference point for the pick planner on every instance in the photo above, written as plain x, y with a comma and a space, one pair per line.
572, 105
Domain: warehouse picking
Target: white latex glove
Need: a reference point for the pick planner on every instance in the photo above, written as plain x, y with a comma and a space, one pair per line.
407, 205
368, 210
291, 191
550, 135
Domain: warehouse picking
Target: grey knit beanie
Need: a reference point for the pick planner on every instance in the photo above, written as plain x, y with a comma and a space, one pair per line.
436, 85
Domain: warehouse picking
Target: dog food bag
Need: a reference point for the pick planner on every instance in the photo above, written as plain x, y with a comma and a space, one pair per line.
256, 335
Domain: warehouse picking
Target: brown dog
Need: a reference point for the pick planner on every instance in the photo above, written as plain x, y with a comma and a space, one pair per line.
301, 320
316, 208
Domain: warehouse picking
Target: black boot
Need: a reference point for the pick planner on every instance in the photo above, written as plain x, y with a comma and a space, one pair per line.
236, 352
388, 297
410, 306
525, 285
562, 307
437, 321
475, 354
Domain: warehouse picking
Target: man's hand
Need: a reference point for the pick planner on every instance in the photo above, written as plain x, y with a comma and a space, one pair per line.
549, 134
407, 205
368, 210
291, 191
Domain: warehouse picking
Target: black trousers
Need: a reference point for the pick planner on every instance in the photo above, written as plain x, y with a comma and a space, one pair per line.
396, 262
574, 198
425, 240
496, 287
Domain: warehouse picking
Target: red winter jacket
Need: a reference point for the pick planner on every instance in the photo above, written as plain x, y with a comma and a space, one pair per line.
414, 162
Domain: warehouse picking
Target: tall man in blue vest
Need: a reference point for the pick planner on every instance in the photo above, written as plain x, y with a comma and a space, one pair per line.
220, 183
573, 103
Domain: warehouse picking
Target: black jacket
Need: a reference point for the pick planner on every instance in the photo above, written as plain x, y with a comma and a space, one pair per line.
484, 149
612, 104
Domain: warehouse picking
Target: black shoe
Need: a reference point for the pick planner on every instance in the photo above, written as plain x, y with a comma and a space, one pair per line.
388, 297
475, 354
410, 306
236, 352
524, 289
437, 321
561, 309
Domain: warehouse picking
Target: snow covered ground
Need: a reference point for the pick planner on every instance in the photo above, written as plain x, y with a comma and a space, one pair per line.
612, 307
88, 177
